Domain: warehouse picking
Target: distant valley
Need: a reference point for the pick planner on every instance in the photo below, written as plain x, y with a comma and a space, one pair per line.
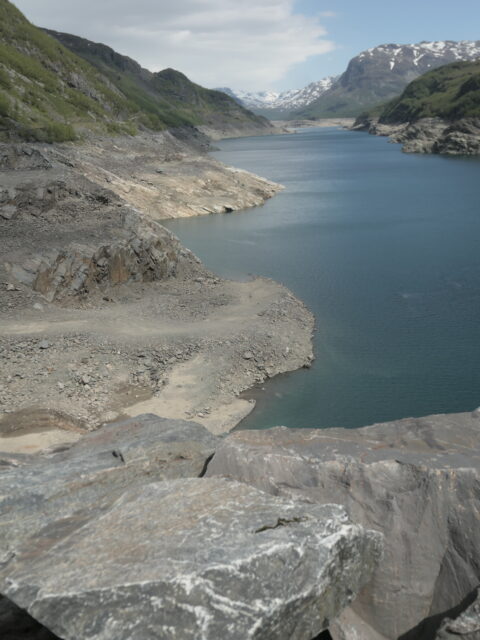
279, 104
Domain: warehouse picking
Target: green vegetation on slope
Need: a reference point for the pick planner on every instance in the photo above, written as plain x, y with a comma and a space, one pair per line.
164, 97
44, 89
450, 92
336, 104
49, 93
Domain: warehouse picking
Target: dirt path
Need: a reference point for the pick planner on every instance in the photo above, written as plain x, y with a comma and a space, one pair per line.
180, 349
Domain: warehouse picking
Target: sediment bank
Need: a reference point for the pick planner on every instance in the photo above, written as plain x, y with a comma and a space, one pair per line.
105, 314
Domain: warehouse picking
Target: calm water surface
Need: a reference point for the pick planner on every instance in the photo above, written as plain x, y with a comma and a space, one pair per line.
384, 248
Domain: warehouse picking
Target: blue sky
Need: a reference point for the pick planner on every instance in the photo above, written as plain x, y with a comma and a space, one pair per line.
255, 44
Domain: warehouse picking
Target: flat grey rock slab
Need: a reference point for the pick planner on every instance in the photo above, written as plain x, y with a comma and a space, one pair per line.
36, 489
416, 480
199, 559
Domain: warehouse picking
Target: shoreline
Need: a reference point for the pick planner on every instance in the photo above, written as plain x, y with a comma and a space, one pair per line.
428, 135
292, 125
111, 316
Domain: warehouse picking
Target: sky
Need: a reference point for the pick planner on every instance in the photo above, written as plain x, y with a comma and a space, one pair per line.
254, 44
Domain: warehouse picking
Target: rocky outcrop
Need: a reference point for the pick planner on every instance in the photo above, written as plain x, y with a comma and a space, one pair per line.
429, 135
148, 252
415, 480
117, 538
21, 157
466, 626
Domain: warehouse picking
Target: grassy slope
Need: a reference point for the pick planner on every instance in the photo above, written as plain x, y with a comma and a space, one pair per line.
450, 92
44, 89
50, 93
165, 96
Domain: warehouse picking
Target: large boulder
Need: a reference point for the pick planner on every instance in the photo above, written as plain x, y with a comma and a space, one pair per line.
416, 480
82, 479
192, 559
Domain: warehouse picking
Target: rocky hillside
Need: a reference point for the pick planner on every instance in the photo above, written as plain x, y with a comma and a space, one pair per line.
381, 73
167, 94
451, 92
49, 93
279, 105
437, 113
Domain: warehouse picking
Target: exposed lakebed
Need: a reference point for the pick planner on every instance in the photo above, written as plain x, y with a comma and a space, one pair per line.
383, 248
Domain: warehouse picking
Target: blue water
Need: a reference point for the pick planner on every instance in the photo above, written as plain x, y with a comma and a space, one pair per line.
384, 249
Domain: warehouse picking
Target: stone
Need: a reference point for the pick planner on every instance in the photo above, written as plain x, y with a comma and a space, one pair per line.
429, 135
44, 344
193, 558
248, 355
8, 211
95, 470
466, 625
144, 252
415, 480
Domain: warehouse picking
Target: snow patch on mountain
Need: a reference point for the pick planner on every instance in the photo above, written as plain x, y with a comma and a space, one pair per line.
284, 100
424, 54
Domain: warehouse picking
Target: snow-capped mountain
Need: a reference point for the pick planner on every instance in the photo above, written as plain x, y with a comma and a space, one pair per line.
281, 101
424, 55
374, 76
381, 73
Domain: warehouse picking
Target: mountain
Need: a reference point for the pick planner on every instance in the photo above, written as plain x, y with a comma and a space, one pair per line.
49, 92
381, 73
278, 105
451, 92
437, 113
170, 89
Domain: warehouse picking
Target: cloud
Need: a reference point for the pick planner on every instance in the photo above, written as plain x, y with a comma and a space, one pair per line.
240, 43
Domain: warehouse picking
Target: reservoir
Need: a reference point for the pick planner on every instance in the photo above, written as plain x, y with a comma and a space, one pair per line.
384, 248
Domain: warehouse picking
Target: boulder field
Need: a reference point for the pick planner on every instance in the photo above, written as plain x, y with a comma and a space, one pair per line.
117, 537
155, 528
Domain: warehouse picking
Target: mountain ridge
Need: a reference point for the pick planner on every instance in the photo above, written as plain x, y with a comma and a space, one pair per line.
372, 77
381, 73
50, 93
280, 103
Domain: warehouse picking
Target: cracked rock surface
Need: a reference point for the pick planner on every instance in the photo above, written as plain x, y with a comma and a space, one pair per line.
80, 479
416, 480
193, 558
